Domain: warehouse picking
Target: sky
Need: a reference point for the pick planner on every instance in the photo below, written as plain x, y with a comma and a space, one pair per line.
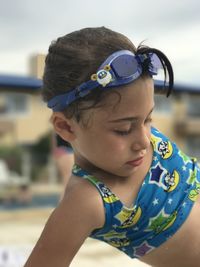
27, 27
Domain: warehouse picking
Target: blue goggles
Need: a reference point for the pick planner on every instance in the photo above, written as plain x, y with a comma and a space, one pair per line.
120, 68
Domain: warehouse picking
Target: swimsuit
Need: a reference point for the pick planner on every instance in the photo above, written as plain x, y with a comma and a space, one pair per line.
162, 205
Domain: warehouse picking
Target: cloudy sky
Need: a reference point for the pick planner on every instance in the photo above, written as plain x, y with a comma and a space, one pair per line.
27, 27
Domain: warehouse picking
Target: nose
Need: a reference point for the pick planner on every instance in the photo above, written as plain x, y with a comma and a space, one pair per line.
141, 139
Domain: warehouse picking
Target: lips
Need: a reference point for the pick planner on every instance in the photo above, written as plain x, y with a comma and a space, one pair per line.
136, 162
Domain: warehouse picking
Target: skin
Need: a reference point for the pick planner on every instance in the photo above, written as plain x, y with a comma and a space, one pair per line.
116, 134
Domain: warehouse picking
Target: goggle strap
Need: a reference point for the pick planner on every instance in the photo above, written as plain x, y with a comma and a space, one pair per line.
60, 101
148, 59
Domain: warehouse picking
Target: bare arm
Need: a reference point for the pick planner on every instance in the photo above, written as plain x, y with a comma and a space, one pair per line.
80, 211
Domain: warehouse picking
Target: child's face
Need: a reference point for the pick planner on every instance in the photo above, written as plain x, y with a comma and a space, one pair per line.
119, 133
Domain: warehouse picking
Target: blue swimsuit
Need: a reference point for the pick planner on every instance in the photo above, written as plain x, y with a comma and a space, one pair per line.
162, 205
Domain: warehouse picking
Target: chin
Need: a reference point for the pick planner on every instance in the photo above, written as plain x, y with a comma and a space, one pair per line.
130, 170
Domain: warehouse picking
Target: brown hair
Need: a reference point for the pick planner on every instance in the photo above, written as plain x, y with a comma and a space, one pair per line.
72, 59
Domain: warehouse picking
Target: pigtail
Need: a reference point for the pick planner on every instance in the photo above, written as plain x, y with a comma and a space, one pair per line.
167, 67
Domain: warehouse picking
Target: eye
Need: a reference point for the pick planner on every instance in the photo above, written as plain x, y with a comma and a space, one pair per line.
123, 133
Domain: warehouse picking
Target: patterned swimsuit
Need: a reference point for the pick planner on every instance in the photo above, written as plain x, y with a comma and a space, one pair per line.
162, 205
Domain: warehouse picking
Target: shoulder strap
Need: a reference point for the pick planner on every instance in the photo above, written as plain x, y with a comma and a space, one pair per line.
109, 199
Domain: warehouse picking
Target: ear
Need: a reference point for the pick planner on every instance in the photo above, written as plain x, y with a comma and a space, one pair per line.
63, 126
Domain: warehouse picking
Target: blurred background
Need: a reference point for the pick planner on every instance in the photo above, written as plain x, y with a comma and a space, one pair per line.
31, 181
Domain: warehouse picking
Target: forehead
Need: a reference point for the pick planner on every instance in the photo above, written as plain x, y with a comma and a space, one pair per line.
135, 99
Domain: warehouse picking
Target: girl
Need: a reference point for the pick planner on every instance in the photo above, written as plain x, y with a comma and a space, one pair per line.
131, 186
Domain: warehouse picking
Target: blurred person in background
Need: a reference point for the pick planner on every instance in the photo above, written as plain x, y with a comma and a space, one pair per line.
64, 159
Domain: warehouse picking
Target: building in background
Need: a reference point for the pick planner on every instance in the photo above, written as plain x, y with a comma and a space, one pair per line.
23, 116
24, 121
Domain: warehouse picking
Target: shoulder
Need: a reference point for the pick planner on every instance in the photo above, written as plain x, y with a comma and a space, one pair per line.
84, 198
77, 215
168, 152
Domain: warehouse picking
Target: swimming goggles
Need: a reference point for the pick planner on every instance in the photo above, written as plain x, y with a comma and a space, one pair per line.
120, 68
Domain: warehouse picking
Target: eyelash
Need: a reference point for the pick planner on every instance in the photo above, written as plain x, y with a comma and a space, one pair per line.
123, 133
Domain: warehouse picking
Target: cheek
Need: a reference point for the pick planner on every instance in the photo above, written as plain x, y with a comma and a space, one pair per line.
115, 144
111, 151
149, 133
98, 142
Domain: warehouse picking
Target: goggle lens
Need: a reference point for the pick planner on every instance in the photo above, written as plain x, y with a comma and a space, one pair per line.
124, 66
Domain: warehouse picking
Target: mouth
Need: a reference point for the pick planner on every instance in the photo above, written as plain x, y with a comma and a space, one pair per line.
136, 162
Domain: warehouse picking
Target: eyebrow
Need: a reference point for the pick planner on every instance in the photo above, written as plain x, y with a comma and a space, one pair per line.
130, 119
